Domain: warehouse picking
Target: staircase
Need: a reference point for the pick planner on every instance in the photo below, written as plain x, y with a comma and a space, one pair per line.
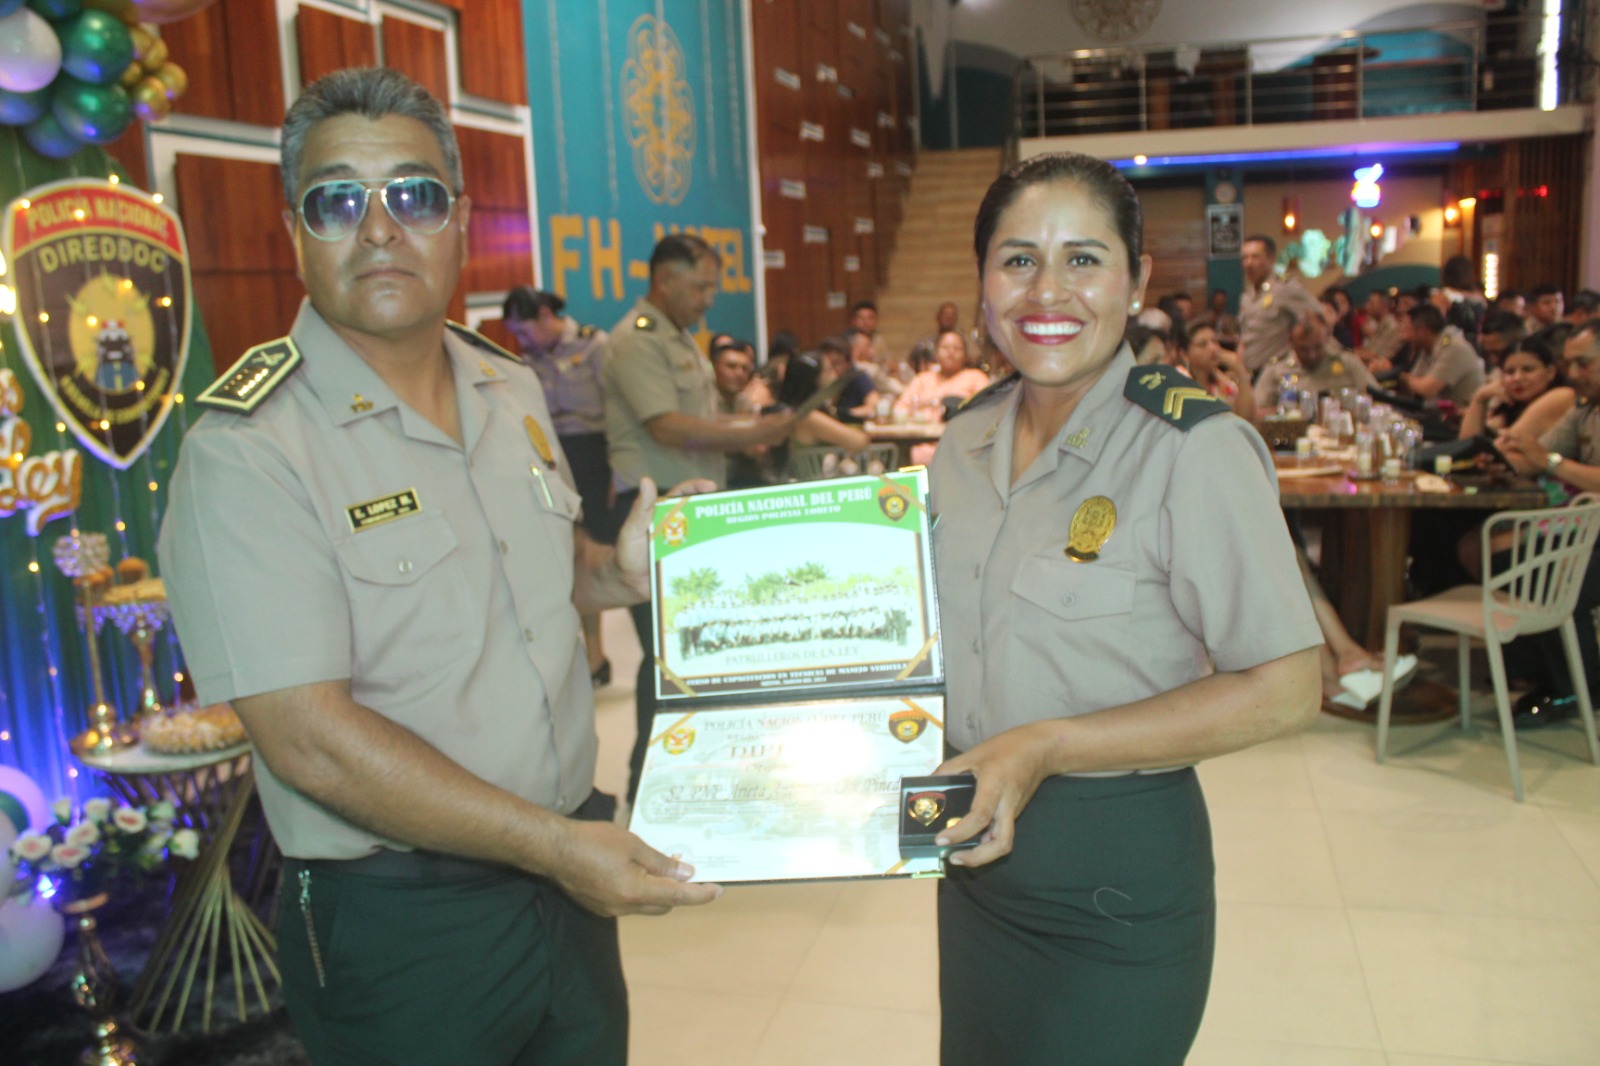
932, 260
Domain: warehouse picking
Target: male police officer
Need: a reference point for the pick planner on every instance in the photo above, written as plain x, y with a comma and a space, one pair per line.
369, 550
661, 411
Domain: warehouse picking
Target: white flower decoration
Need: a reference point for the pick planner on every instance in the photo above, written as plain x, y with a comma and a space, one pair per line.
97, 809
62, 809
32, 847
162, 811
68, 856
185, 844
129, 819
83, 834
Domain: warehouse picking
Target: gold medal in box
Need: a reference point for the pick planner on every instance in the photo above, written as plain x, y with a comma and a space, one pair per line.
929, 806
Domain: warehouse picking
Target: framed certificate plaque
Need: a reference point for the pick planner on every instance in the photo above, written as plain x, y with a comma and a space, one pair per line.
799, 679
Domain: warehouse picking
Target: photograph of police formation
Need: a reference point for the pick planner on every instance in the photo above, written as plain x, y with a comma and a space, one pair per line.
425, 741
870, 611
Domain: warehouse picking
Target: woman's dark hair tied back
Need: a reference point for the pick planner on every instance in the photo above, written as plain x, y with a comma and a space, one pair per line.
1103, 181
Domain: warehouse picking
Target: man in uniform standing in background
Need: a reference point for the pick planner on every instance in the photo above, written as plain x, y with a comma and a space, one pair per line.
369, 551
661, 412
1269, 306
566, 356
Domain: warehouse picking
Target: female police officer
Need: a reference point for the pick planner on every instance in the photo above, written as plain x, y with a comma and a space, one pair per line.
1119, 599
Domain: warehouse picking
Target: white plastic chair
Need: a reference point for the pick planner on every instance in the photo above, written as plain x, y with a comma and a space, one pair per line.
1534, 593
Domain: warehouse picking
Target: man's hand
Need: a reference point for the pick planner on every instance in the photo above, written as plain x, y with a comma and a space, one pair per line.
773, 429
1009, 770
609, 871
633, 539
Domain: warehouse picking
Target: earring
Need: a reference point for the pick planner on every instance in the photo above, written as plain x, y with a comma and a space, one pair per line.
1135, 306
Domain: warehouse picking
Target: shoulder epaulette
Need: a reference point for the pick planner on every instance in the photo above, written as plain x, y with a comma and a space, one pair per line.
588, 331
645, 322
987, 393
479, 341
1171, 396
247, 383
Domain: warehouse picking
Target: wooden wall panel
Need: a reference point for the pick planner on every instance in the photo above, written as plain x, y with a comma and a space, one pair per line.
492, 60
330, 42
129, 150
418, 52
499, 237
239, 252
230, 52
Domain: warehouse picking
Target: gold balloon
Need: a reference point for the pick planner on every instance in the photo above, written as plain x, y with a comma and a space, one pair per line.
154, 56
172, 76
150, 101
133, 75
159, 11
141, 41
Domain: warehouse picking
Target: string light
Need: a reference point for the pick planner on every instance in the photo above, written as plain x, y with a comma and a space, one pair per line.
157, 197
33, 568
44, 316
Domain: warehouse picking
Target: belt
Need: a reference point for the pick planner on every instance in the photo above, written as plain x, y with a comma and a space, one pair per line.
410, 866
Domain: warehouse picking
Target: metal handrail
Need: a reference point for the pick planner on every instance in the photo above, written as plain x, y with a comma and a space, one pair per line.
1126, 91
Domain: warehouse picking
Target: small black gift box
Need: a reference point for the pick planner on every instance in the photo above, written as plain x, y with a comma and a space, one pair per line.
929, 806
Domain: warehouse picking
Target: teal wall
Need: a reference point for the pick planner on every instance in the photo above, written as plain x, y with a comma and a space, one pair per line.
639, 129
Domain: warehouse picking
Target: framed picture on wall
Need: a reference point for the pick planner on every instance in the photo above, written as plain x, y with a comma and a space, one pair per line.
1224, 230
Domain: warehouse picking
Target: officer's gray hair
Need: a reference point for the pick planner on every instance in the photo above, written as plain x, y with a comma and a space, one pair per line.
372, 92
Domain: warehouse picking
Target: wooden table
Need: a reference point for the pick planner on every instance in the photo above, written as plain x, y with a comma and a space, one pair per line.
1366, 534
904, 435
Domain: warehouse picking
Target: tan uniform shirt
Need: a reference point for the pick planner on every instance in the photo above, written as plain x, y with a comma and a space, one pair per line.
1265, 315
1198, 570
1455, 362
570, 374
650, 368
1576, 436
454, 620
1339, 369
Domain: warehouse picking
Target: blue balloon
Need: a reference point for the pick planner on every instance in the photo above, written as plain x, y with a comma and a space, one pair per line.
19, 109
10, 7
56, 10
50, 138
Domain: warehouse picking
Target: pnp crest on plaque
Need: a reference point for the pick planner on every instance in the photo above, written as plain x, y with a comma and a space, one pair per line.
101, 272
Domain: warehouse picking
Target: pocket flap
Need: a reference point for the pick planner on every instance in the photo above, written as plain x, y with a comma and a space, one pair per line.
1072, 590
398, 552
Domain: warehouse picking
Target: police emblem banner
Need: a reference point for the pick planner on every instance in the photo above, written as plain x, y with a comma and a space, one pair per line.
101, 272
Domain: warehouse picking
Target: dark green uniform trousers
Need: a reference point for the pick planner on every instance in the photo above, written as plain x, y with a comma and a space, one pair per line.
426, 959
1091, 943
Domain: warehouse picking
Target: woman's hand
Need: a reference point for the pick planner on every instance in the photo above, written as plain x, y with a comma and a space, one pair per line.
1009, 769
1486, 395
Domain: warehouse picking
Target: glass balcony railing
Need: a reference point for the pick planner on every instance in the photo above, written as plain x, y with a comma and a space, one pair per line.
1498, 62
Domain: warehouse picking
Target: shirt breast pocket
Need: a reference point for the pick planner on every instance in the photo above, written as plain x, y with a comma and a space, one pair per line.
409, 613
1070, 630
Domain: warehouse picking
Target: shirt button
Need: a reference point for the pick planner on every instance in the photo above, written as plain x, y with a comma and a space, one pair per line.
503, 549
528, 635
974, 644
1069, 599
405, 566
977, 571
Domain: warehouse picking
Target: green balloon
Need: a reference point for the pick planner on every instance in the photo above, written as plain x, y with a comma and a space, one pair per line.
95, 47
50, 139
19, 109
56, 10
96, 114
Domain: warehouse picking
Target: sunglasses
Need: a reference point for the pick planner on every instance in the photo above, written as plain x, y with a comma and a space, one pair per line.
331, 210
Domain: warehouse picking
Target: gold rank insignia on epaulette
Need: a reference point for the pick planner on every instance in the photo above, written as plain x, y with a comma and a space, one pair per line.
645, 322
248, 383
1171, 396
588, 331
987, 393
479, 341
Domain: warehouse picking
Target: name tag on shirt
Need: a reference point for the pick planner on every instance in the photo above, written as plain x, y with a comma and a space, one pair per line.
383, 509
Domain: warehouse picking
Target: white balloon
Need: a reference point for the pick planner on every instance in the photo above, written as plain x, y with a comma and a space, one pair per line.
30, 940
30, 52
21, 786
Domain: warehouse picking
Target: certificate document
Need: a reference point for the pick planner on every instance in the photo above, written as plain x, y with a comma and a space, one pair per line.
819, 586
788, 791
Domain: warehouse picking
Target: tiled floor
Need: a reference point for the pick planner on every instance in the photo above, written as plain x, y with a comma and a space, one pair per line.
1409, 914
